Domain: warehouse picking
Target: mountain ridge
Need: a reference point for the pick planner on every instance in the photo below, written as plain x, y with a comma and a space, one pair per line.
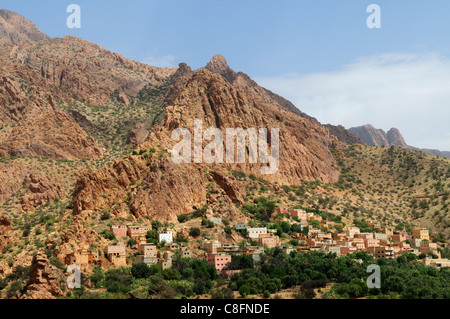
378, 137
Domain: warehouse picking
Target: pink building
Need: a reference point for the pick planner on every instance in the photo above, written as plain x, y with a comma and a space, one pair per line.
268, 240
300, 214
138, 231
119, 231
219, 260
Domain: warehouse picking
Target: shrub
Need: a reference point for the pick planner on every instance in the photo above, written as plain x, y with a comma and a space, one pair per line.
194, 232
140, 270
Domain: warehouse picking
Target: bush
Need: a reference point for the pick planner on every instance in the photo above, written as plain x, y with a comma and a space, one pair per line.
15, 287
171, 274
194, 232
109, 234
140, 270
98, 277
222, 293
105, 215
244, 291
182, 218
118, 280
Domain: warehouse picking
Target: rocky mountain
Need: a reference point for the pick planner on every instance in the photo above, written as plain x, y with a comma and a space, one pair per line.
16, 29
242, 81
210, 97
85, 140
64, 81
343, 134
377, 137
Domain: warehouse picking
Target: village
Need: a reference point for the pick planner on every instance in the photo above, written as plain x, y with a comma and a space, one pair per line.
317, 234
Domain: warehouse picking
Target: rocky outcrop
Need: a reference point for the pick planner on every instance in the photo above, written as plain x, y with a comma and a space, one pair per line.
343, 135
41, 190
377, 137
38, 78
230, 185
395, 138
154, 186
370, 135
304, 152
99, 189
138, 134
45, 280
5, 230
49, 133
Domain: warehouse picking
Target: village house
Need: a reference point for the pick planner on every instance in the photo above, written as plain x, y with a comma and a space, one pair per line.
438, 263
147, 248
427, 247
399, 236
380, 236
219, 260
240, 226
138, 232
185, 252
165, 236
120, 230
254, 233
300, 214
351, 231
211, 246
371, 242
172, 246
421, 233
165, 259
229, 249
364, 235
116, 255
268, 240
416, 242
147, 259
81, 257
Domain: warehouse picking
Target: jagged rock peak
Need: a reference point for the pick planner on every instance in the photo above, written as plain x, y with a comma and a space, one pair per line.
219, 65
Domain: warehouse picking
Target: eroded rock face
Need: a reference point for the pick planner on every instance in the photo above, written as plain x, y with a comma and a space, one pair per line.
343, 134
156, 187
5, 230
45, 279
39, 75
377, 137
395, 138
138, 134
370, 135
41, 190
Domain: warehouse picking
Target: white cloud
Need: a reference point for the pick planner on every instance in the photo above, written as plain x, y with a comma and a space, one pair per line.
407, 91
166, 61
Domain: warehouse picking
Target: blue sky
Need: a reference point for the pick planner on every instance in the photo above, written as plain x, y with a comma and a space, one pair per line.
300, 49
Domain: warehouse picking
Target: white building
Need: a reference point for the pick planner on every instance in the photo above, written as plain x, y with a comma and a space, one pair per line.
165, 236
254, 233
